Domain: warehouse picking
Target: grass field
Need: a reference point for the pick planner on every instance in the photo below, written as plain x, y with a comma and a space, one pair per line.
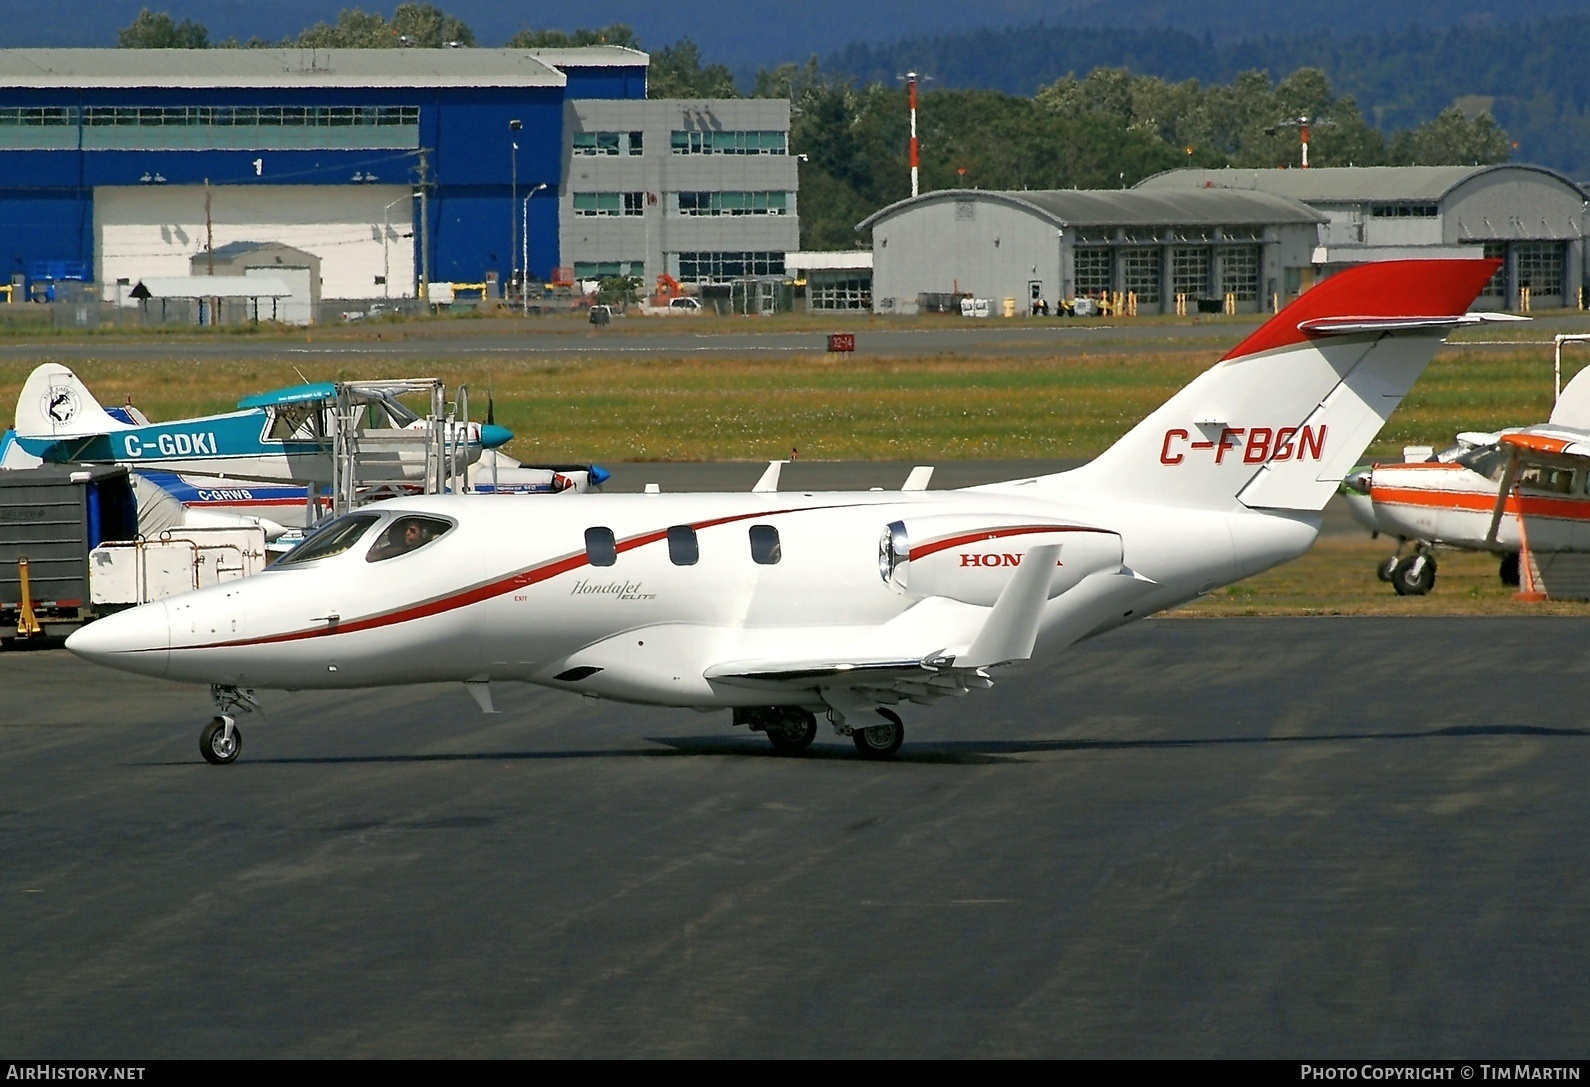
947, 407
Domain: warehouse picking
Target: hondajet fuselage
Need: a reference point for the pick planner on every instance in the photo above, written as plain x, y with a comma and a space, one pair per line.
782, 606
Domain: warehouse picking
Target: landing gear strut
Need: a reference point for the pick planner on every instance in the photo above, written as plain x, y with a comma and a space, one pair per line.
221, 740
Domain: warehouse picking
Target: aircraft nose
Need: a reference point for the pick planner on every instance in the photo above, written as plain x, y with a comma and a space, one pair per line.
492, 436
135, 640
1357, 480
599, 475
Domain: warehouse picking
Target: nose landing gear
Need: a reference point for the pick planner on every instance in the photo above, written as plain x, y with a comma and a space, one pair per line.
221, 739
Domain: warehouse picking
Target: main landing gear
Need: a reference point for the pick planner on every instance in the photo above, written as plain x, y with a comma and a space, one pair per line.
790, 729
880, 741
1410, 575
221, 740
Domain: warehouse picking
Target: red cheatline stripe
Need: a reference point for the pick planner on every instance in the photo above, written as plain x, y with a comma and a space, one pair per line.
935, 546
1566, 509
485, 590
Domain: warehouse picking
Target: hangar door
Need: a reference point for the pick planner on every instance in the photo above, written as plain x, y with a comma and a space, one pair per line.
359, 232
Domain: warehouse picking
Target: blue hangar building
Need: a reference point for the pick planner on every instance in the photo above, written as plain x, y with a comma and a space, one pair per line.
392, 167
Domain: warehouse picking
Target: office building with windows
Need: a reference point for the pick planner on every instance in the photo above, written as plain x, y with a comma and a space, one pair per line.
704, 191
392, 167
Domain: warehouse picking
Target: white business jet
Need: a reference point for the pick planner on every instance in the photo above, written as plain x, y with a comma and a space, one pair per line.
784, 606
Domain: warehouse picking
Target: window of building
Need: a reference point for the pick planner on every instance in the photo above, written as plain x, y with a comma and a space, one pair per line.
610, 203
1538, 266
734, 203
601, 549
606, 269
839, 291
38, 128
1189, 270
1095, 270
607, 143
730, 143
683, 550
1403, 211
156, 128
765, 547
1140, 274
1239, 272
722, 267
1496, 286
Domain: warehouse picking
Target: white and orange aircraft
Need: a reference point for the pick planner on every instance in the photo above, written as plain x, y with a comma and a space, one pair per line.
781, 607
1526, 488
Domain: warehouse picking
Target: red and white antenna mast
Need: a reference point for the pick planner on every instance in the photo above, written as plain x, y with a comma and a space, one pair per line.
911, 80
1303, 123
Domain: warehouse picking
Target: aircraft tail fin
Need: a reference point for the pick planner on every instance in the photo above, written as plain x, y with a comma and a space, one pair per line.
1278, 421
54, 404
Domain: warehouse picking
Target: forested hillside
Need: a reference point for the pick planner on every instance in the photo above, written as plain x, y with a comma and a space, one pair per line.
1531, 76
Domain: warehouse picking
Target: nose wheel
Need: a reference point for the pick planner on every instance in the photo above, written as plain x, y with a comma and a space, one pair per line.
221, 740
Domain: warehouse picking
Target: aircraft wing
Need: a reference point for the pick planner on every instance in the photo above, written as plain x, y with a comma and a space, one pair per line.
924, 680
1566, 449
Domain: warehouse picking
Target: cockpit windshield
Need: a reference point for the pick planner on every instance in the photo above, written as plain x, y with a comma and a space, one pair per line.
332, 538
1486, 460
406, 534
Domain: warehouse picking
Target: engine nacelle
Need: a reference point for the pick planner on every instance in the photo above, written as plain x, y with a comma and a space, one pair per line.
971, 558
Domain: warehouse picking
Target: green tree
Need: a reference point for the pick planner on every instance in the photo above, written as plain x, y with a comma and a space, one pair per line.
677, 72
1452, 139
423, 26
160, 31
613, 34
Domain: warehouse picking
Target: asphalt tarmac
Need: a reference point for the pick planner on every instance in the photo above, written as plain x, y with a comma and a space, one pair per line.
1191, 838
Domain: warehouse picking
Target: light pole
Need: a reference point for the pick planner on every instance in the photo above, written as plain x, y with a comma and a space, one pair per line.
386, 231
524, 237
513, 198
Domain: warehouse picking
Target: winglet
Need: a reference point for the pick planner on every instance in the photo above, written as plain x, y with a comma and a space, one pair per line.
918, 479
768, 484
1012, 628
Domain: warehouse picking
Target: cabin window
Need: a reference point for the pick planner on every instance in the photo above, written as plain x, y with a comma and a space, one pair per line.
682, 547
406, 534
332, 538
1540, 477
765, 548
600, 547
291, 421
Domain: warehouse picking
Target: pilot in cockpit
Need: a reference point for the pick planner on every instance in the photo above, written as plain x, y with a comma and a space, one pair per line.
401, 536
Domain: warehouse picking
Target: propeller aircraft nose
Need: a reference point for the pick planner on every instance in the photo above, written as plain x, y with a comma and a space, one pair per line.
493, 436
1357, 481
135, 640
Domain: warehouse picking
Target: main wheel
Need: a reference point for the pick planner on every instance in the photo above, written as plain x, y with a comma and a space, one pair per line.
1414, 575
216, 746
1509, 571
880, 741
794, 733
1387, 565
